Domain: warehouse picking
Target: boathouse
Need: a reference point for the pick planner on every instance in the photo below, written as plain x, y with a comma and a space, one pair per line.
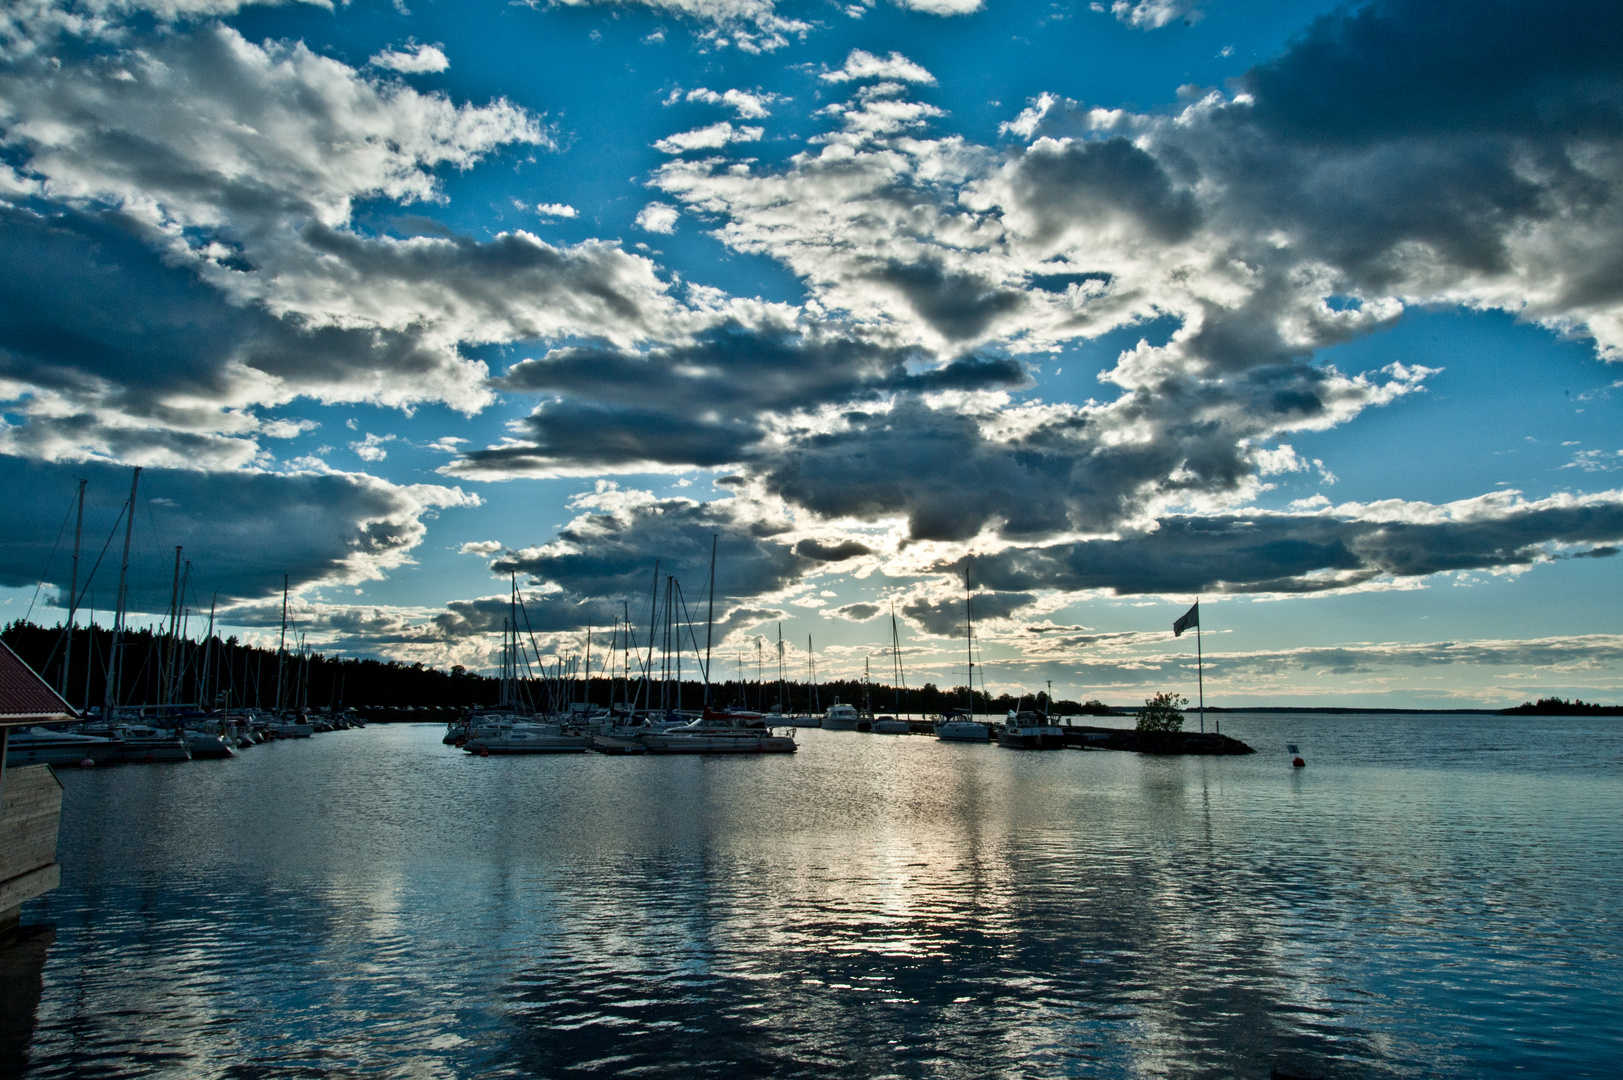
30, 795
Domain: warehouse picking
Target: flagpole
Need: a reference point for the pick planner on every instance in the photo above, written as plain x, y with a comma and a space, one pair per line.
1200, 668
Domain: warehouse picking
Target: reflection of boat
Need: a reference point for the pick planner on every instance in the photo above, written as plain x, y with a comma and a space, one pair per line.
841, 717
1031, 730
42, 746
956, 727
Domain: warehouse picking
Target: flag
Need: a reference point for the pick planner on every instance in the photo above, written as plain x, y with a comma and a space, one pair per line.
1190, 618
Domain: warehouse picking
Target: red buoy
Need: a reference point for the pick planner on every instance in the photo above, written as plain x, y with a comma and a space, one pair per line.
483, 752
1299, 763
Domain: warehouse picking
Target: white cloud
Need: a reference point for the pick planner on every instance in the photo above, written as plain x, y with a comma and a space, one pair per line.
708, 138
1154, 14
942, 7
371, 447
752, 26
658, 218
861, 65
563, 210
413, 60
748, 106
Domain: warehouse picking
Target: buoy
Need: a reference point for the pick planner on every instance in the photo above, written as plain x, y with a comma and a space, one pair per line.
1298, 763
87, 763
483, 752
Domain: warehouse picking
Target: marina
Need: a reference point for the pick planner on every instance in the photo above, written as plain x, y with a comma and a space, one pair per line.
1418, 902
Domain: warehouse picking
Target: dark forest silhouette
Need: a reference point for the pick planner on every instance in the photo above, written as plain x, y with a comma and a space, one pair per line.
246, 675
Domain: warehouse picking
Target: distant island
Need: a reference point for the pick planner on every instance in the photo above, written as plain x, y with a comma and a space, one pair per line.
1554, 706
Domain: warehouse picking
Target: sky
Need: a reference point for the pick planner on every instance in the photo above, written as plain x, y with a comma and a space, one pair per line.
1311, 312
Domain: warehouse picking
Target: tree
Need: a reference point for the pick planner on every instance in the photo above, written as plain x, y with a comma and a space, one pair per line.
1163, 712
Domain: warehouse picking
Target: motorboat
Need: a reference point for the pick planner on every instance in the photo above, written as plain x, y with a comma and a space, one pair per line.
713, 736
138, 742
204, 744
1031, 730
702, 740
890, 725
520, 741
956, 727
840, 717
43, 746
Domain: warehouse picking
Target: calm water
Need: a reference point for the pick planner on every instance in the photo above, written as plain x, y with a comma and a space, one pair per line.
1431, 897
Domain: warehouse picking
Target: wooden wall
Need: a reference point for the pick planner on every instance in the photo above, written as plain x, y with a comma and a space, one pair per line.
30, 810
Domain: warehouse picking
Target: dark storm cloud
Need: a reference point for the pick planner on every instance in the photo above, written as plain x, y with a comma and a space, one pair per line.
610, 556
818, 551
1393, 69
958, 305
90, 311
241, 531
703, 404
945, 618
1266, 553
856, 612
1088, 184
941, 469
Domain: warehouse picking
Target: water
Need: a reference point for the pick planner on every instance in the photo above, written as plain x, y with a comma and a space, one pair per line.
1430, 897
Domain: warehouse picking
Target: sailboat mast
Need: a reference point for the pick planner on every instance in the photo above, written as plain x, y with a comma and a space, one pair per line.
811, 668
204, 684
73, 589
780, 668
167, 691
969, 641
115, 672
281, 649
710, 619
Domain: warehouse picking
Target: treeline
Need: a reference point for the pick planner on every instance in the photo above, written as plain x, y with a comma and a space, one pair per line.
233, 673
156, 670
1554, 706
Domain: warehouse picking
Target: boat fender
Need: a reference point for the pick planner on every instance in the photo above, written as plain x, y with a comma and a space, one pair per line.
1298, 763
87, 763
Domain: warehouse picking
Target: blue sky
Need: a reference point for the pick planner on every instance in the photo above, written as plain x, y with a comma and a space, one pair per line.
1309, 310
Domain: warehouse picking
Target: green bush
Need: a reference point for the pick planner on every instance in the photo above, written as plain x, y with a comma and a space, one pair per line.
1163, 712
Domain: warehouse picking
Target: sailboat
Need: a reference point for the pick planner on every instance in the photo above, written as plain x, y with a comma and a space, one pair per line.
894, 725
953, 726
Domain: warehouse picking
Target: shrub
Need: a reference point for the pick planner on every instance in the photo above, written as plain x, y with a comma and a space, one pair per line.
1163, 712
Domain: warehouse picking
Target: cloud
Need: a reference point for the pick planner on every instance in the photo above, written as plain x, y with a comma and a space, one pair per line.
861, 65
371, 447
658, 218
859, 612
942, 7
563, 210
232, 217
241, 531
749, 105
1154, 14
734, 395
708, 138
413, 60
1342, 548
753, 26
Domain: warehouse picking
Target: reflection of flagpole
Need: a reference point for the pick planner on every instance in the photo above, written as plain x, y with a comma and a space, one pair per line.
1200, 671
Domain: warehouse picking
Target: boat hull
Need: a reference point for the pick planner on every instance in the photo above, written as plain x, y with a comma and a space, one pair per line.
719, 744
1029, 739
963, 731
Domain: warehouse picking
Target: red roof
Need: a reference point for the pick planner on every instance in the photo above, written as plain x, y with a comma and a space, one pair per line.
25, 698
